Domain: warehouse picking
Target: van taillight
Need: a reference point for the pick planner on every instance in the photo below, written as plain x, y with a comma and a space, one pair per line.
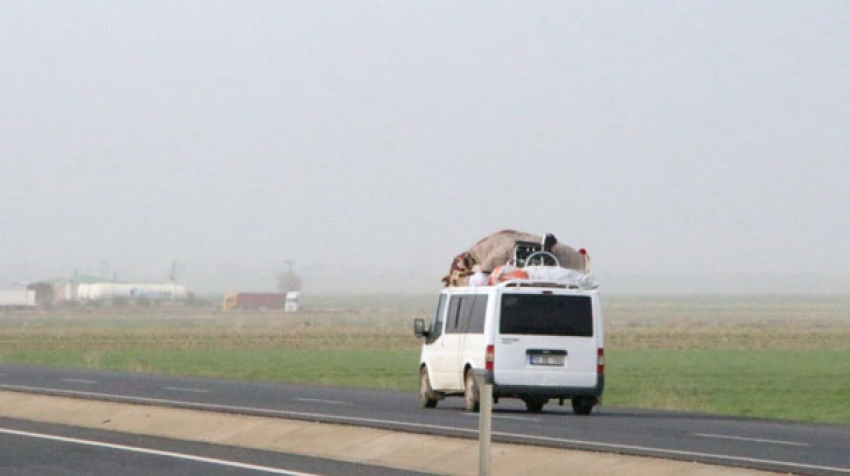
489, 357
600, 361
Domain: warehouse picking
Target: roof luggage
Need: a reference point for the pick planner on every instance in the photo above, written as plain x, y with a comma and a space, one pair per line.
512, 253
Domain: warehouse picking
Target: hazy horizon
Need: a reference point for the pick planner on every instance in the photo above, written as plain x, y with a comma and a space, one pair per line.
370, 143
322, 280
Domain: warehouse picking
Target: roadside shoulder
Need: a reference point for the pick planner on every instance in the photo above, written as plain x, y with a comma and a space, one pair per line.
430, 454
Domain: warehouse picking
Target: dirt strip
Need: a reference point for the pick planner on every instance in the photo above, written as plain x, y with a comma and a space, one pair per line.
431, 454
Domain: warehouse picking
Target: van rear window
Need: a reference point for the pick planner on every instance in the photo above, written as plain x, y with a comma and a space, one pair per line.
546, 314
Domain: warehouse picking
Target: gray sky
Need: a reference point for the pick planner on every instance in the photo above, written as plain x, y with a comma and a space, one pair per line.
667, 138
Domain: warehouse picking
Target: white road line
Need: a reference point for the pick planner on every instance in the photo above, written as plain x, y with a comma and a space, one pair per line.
168, 454
504, 417
185, 389
79, 380
316, 400
754, 440
338, 418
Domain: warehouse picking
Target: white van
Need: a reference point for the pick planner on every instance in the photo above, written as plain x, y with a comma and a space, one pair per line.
539, 340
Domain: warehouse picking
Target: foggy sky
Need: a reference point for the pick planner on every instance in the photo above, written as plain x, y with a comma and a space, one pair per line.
372, 141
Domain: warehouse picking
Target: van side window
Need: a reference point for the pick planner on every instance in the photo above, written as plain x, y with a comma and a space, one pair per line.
453, 318
465, 311
459, 309
437, 324
476, 317
466, 314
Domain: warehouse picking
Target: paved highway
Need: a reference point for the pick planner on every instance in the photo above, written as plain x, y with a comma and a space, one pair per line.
40, 449
762, 444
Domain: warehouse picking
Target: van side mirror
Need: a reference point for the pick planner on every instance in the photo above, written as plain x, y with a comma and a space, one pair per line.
419, 328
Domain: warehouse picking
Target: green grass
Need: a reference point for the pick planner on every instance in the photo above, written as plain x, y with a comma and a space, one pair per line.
784, 384
386, 369
784, 358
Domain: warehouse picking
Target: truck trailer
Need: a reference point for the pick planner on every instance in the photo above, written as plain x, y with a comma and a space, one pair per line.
17, 298
235, 301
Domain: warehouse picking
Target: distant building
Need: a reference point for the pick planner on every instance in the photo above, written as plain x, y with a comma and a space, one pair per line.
97, 290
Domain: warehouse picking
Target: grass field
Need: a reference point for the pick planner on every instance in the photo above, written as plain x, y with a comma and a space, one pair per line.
759, 356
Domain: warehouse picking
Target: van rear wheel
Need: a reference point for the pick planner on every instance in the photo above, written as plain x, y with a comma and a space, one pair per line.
470, 392
583, 405
427, 395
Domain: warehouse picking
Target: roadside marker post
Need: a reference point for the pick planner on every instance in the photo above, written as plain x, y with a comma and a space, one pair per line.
484, 382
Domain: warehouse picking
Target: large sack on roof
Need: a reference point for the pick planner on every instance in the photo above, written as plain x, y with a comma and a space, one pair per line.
497, 249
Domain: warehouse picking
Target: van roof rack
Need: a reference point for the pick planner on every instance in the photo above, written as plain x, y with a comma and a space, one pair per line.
526, 283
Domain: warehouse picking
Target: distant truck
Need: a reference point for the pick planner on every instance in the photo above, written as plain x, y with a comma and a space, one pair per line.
17, 298
234, 301
294, 301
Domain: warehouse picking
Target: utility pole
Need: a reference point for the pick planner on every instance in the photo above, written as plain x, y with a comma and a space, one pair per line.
286, 281
173, 274
289, 276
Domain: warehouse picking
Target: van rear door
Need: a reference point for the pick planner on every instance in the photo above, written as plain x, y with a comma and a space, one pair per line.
545, 338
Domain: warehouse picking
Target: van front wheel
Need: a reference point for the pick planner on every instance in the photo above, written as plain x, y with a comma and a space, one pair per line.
470, 392
427, 396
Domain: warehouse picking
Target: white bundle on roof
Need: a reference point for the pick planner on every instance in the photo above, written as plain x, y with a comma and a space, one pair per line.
555, 274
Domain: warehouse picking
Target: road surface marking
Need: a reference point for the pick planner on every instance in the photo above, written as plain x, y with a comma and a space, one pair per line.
316, 400
505, 417
185, 389
79, 380
353, 420
755, 440
169, 454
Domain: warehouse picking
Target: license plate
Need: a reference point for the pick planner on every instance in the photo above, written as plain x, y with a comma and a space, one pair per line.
543, 359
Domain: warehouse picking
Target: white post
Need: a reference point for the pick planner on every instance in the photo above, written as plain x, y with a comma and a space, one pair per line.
484, 382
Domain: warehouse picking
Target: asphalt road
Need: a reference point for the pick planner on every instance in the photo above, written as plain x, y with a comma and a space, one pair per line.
43, 449
761, 444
